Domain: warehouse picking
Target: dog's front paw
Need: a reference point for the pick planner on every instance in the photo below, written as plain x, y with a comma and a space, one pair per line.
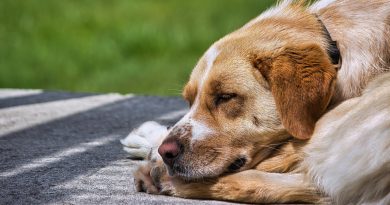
143, 140
143, 181
153, 178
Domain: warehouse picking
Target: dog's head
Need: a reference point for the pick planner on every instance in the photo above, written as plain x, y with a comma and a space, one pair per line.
249, 92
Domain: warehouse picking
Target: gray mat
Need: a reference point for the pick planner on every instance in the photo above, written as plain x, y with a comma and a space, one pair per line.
63, 148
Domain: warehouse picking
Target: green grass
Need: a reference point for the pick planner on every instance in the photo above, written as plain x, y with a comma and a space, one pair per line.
137, 46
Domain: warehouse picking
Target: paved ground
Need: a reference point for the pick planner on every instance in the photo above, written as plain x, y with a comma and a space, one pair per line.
63, 148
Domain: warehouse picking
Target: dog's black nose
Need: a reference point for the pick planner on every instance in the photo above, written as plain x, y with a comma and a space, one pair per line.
169, 151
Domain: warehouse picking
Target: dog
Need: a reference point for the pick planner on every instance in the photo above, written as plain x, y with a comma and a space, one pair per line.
348, 156
292, 107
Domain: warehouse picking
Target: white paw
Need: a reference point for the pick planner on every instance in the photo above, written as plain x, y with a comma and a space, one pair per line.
144, 140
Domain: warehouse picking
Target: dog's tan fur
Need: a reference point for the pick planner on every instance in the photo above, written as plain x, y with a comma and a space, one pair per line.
279, 81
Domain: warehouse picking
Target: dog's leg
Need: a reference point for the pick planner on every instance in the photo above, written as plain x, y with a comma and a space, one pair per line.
153, 178
250, 186
285, 159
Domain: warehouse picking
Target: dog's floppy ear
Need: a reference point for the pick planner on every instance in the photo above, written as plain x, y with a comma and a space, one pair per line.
301, 79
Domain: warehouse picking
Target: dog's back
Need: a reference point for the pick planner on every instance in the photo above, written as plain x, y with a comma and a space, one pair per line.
349, 154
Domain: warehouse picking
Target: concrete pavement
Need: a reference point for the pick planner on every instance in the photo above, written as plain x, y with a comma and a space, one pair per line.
63, 148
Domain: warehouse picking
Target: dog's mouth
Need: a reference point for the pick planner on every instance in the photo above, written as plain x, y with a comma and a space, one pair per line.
190, 173
186, 173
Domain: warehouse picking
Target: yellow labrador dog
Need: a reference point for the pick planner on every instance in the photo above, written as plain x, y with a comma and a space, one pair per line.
256, 95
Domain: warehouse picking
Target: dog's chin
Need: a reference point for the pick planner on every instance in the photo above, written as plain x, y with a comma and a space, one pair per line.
194, 173
188, 173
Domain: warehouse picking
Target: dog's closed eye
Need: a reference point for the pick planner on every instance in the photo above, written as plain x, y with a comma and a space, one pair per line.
222, 98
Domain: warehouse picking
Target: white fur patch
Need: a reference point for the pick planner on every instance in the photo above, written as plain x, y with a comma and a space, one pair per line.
273, 11
211, 55
142, 140
199, 129
320, 5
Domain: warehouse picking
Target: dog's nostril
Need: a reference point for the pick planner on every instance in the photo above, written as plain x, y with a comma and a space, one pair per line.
170, 155
169, 151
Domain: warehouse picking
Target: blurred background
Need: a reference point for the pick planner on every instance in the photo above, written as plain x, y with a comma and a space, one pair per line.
126, 46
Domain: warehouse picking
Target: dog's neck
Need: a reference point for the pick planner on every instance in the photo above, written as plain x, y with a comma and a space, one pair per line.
363, 44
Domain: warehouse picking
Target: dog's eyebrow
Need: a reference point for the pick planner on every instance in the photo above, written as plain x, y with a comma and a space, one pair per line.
216, 86
219, 85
